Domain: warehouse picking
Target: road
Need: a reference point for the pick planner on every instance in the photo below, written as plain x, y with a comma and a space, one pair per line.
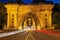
29, 35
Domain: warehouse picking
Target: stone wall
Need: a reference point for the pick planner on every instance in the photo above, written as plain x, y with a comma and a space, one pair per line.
17, 12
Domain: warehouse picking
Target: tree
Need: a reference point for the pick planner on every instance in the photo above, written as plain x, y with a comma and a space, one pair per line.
3, 16
56, 16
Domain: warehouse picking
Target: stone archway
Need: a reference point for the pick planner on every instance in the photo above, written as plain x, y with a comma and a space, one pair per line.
33, 17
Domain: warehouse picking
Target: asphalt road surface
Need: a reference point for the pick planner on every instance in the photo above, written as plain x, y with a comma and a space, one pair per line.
29, 35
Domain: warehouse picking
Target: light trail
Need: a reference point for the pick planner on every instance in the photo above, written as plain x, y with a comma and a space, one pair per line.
15, 32
10, 33
28, 29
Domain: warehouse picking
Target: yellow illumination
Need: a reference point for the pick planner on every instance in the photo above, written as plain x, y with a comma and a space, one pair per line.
38, 28
20, 28
19, 12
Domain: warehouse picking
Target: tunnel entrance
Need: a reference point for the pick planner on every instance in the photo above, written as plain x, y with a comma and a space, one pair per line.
30, 20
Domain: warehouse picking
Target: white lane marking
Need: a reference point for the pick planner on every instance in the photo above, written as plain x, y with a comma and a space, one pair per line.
29, 34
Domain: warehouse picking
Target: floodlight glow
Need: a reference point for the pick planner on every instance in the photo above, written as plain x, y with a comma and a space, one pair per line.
28, 28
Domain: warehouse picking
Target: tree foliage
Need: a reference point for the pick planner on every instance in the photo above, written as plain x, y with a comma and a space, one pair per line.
3, 16
56, 16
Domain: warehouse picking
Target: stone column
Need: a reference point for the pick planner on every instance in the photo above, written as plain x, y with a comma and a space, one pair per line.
11, 10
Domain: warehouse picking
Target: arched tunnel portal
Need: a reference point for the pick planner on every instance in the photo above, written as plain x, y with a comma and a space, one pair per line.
30, 20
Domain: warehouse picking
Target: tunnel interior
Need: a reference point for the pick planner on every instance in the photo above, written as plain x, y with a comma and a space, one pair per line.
30, 20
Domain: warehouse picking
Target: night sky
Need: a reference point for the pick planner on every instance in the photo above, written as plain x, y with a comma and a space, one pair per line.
54, 1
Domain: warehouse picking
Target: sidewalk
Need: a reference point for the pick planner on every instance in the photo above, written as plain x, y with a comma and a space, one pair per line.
1, 31
7, 30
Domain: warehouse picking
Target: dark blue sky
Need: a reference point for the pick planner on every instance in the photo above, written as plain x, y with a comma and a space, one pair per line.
54, 1
27, 1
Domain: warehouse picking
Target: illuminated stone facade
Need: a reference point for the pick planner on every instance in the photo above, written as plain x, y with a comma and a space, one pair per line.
16, 14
